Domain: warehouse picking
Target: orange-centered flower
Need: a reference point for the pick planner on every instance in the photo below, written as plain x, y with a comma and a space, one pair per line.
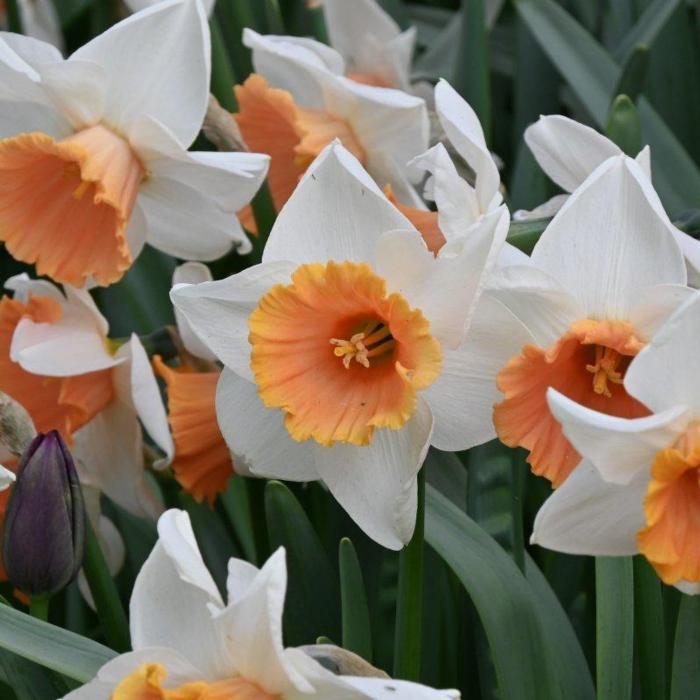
339, 355
202, 463
293, 136
672, 508
146, 683
587, 365
61, 403
65, 205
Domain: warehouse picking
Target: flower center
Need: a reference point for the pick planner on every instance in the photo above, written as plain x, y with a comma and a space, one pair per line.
373, 342
382, 353
602, 349
672, 511
65, 205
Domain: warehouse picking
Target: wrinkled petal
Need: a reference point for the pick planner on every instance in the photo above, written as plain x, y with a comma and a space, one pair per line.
664, 374
376, 484
587, 515
610, 240
619, 448
218, 311
256, 435
567, 151
463, 396
156, 62
464, 132
175, 578
336, 213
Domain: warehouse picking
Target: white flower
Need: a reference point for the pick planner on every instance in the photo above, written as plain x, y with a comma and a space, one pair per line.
97, 148
601, 279
352, 325
310, 104
638, 488
569, 152
185, 637
39, 20
62, 370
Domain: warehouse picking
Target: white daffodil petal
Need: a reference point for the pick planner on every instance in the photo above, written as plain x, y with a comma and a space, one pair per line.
183, 223
456, 200
24, 286
32, 51
387, 688
619, 448
447, 288
7, 478
109, 450
180, 672
463, 396
335, 213
688, 587
543, 211
156, 62
40, 20
537, 299
691, 250
663, 374
191, 273
464, 132
587, 515
241, 575
218, 311
138, 5
376, 484
610, 240
256, 435
228, 180
654, 305
252, 628
567, 151
294, 65
146, 399
175, 578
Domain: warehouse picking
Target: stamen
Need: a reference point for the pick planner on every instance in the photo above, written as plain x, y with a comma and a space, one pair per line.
373, 341
604, 370
81, 189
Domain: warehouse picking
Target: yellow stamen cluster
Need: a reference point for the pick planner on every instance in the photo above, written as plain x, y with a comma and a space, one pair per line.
605, 369
373, 341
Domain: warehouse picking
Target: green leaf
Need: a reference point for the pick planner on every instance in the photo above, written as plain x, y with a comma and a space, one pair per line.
27, 680
634, 75
313, 599
357, 634
685, 676
646, 29
236, 505
592, 74
526, 653
50, 646
649, 631
614, 627
223, 77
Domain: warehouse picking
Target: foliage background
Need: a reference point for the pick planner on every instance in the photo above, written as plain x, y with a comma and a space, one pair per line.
498, 619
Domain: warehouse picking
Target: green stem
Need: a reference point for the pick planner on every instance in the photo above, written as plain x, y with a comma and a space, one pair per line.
614, 627
14, 20
234, 16
222, 76
101, 16
256, 499
264, 213
110, 610
409, 604
39, 607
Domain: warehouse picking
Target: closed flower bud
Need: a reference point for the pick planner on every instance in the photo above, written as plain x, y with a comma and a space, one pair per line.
44, 534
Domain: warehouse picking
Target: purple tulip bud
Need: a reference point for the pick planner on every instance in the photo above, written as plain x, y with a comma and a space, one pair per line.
44, 534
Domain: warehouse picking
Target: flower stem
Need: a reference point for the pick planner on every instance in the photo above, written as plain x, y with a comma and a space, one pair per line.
39, 607
222, 76
104, 592
409, 605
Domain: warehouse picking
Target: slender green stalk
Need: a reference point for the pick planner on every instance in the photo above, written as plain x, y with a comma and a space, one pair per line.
409, 604
101, 16
472, 78
264, 213
256, 499
222, 76
357, 633
234, 16
650, 637
685, 675
104, 592
614, 627
14, 20
39, 607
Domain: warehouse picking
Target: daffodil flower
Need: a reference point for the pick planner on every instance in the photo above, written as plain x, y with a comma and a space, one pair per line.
295, 105
94, 150
569, 152
638, 488
334, 347
187, 642
57, 361
202, 462
602, 278
39, 20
